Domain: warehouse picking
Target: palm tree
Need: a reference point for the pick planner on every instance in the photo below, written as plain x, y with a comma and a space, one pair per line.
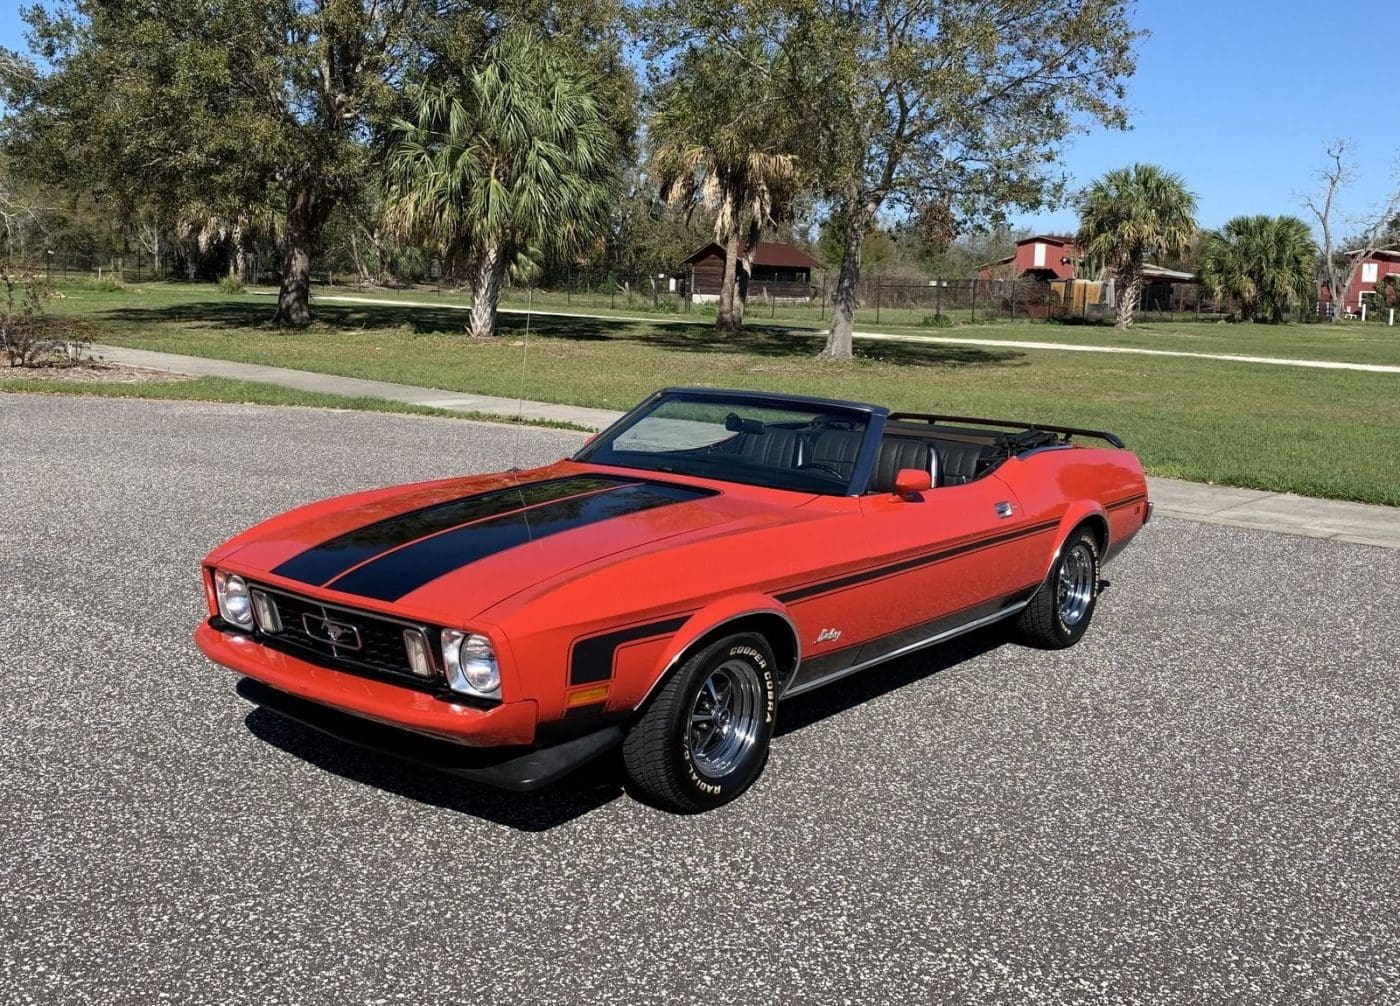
718, 141
1264, 265
514, 165
1131, 215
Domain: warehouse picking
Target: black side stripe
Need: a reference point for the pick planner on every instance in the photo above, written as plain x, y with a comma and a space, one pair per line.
337, 556
402, 571
878, 572
875, 649
592, 658
1126, 501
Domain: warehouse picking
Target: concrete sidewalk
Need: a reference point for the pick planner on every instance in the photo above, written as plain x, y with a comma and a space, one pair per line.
357, 387
1358, 523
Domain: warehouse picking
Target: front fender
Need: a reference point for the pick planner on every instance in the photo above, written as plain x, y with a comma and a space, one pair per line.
712, 620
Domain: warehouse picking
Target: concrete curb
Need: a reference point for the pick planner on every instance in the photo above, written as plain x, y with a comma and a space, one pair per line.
1284, 513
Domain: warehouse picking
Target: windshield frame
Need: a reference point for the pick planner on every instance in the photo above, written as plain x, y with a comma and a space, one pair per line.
872, 415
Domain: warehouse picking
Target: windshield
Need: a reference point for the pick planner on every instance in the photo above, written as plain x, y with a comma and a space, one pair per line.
806, 448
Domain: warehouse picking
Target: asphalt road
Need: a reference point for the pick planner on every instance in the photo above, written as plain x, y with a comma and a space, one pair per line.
1196, 804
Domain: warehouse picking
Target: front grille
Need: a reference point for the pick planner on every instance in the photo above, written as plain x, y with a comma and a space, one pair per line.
370, 644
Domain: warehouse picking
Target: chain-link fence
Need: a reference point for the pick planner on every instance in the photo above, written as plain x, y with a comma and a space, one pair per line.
933, 303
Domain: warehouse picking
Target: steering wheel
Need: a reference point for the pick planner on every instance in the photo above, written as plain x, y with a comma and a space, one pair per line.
822, 467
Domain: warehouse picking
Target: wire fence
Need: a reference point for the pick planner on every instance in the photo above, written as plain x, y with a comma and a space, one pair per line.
931, 304
934, 303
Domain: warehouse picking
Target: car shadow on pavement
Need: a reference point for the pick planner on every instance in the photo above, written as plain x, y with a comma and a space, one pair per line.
599, 782
589, 788
803, 711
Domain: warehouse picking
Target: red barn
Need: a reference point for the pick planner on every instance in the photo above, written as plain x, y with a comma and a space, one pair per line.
1045, 257
779, 270
1363, 281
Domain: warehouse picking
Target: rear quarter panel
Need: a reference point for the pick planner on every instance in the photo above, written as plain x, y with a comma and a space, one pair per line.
1074, 484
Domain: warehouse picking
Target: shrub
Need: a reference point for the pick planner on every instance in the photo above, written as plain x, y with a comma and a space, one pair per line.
106, 283
27, 337
663, 305
232, 284
939, 320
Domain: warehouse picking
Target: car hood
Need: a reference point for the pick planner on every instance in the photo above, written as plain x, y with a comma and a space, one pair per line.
446, 551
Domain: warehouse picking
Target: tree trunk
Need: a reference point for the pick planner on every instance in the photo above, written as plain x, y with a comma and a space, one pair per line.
1128, 299
730, 316
845, 299
486, 292
238, 263
361, 270
305, 214
745, 277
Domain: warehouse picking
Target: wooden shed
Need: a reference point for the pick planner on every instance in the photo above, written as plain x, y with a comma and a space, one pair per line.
779, 270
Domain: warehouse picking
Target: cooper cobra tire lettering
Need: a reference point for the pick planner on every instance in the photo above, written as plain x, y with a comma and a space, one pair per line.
725, 694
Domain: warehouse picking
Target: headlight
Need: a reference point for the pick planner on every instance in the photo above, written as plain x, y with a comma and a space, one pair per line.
470, 663
234, 604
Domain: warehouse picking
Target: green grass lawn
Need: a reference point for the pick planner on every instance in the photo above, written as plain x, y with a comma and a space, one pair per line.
1321, 433
1349, 343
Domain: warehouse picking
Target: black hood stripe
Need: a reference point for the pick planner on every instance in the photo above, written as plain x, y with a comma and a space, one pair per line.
402, 571
343, 553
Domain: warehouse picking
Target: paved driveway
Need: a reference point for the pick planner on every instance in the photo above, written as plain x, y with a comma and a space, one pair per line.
1197, 804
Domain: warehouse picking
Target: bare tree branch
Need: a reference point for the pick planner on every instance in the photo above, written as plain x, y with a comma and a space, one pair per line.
1376, 231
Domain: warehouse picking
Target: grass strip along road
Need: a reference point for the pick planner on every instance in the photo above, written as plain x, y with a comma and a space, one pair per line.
1319, 433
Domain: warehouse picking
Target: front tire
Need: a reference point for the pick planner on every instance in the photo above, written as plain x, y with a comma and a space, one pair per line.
704, 738
1059, 613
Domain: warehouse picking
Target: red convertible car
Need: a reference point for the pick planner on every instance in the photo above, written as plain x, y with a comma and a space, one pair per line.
710, 554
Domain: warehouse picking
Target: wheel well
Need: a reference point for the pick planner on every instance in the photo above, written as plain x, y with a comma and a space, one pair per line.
770, 625
1099, 526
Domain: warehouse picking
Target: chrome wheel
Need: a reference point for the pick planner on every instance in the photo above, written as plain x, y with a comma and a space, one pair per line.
725, 718
1074, 587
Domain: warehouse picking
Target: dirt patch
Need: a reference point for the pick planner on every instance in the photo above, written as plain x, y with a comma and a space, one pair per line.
90, 372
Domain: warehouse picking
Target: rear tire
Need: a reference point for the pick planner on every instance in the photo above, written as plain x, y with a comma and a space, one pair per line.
703, 739
1059, 613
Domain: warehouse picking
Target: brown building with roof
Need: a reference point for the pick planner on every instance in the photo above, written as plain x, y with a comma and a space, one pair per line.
779, 270
1044, 257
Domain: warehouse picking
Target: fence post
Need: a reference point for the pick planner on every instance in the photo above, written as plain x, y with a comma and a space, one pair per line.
878, 287
1013, 300
974, 301
938, 298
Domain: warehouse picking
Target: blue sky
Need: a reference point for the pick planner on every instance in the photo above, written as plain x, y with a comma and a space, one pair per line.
1241, 99
1239, 96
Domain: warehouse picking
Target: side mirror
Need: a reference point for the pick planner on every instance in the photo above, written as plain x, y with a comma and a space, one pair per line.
910, 481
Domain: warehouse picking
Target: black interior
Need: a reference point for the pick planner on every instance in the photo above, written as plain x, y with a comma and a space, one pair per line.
897, 453
962, 454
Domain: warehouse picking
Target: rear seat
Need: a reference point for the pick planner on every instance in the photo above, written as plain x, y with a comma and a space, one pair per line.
957, 462
949, 462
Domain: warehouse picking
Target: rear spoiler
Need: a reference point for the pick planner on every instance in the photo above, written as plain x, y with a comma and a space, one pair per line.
1067, 431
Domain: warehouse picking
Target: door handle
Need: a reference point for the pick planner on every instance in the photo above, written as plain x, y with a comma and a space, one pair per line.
1005, 509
